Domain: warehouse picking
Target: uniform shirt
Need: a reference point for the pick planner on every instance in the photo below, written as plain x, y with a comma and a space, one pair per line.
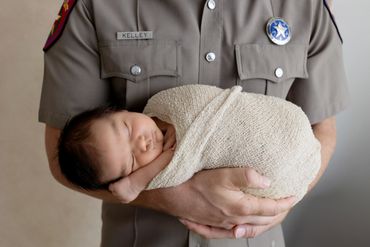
217, 42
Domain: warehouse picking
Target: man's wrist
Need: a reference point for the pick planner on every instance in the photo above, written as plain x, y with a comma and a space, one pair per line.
162, 199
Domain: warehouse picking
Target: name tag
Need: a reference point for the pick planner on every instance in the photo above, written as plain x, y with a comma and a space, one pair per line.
135, 35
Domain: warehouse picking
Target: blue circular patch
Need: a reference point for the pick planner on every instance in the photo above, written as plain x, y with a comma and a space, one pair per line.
278, 31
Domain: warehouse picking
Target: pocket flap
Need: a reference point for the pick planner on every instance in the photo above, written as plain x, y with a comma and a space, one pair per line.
154, 58
263, 60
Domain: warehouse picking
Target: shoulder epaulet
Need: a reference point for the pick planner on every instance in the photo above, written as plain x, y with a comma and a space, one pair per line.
59, 23
333, 19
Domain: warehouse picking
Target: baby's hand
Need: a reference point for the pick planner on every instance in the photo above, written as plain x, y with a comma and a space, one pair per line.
170, 138
128, 188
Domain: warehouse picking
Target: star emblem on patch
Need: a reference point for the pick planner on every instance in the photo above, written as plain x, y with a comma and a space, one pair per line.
278, 31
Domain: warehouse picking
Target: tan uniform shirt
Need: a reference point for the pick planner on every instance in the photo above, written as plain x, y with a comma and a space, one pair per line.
122, 52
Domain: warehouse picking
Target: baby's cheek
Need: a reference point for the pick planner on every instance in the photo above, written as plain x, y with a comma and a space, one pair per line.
157, 151
160, 136
146, 158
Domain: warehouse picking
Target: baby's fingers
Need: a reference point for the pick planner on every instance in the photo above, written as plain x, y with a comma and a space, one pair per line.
125, 189
169, 140
128, 188
169, 144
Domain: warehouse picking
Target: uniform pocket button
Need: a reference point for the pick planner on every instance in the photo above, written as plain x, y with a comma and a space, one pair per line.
210, 56
211, 4
135, 70
279, 72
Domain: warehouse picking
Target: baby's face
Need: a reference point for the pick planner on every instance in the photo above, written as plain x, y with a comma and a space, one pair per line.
126, 142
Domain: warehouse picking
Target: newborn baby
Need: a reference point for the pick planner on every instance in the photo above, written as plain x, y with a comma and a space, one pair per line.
105, 144
213, 128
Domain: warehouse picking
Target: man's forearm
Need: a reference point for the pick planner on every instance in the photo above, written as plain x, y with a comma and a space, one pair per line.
158, 199
325, 132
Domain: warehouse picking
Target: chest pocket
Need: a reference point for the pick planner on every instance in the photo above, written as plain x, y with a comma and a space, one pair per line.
270, 69
139, 69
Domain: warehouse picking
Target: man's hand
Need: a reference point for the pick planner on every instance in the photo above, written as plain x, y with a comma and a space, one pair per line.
213, 199
260, 225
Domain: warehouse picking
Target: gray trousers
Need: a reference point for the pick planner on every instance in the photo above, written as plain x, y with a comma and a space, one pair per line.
138, 227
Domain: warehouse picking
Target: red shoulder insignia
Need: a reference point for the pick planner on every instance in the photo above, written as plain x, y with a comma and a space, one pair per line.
59, 24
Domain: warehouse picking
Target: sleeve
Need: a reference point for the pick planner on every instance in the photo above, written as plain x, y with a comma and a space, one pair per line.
324, 93
71, 82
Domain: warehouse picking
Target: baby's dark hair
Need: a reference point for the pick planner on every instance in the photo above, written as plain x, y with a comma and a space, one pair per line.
78, 157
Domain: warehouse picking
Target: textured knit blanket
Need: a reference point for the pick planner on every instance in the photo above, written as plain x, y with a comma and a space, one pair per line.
229, 128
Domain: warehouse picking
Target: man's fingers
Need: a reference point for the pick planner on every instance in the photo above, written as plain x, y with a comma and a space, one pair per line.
251, 231
248, 178
241, 231
251, 205
258, 220
263, 206
255, 226
207, 231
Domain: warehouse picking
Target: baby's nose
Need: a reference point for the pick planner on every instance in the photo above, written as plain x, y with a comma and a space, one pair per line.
142, 144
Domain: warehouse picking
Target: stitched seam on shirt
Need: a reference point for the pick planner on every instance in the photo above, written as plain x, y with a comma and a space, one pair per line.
138, 24
87, 11
272, 8
135, 228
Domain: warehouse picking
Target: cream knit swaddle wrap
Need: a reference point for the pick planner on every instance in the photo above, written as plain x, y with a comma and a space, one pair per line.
229, 128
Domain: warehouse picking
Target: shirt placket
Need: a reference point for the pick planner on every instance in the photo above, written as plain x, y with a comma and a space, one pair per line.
210, 42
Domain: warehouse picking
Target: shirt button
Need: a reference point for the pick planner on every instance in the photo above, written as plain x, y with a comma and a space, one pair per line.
135, 70
279, 72
210, 56
273, 243
211, 4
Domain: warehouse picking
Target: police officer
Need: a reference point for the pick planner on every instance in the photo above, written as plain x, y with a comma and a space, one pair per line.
122, 52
